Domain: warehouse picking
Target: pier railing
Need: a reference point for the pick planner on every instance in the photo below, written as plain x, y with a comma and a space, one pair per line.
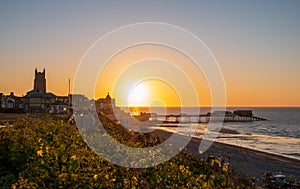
205, 118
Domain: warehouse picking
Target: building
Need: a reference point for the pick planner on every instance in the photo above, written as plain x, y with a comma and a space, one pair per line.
79, 102
59, 107
38, 100
108, 107
39, 81
105, 105
245, 113
11, 103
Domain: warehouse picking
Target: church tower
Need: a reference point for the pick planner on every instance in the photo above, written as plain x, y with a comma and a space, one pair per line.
40, 81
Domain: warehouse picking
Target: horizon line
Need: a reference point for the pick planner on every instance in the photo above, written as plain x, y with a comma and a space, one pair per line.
231, 106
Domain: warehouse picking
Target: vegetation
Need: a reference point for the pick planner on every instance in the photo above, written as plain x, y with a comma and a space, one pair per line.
48, 153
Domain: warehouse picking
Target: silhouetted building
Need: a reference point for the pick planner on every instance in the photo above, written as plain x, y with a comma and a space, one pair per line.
38, 100
246, 113
80, 102
105, 105
40, 81
11, 103
59, 107
108, 106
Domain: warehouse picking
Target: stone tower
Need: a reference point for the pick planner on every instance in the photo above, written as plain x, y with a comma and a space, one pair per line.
40, 81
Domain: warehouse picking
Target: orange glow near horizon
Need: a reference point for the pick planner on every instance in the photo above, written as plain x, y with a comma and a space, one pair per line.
139, 95
170, 77
148, 94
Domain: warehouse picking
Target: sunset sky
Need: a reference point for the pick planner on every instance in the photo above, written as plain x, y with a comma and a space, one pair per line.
256, 44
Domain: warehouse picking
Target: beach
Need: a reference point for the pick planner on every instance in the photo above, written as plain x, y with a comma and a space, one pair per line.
245, 162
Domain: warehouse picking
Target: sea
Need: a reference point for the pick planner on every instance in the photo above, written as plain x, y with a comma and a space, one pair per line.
279, 134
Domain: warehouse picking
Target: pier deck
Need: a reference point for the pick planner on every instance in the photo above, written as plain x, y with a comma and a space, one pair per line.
205, 118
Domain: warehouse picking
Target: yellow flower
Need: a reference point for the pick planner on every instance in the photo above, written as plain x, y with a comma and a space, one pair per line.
218, 162
225, 168
73, 157
95, 176
40, 153
181, 167
134, 178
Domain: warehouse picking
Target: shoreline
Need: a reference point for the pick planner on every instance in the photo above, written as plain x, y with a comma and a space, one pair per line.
248, 141
245, 162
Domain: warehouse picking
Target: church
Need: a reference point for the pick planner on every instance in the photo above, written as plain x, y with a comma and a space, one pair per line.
39, 100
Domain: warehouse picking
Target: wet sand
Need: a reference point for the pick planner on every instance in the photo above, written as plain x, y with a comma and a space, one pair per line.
245, 162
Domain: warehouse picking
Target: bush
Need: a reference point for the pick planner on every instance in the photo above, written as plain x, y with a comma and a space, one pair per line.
47, 153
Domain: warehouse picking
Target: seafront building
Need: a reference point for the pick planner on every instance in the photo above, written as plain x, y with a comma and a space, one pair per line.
38, 100
106, 105
11, 101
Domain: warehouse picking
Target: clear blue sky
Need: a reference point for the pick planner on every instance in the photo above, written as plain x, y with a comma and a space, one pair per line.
256, 43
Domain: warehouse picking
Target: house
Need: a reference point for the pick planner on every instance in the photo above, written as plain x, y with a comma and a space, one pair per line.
11, 103
59, 107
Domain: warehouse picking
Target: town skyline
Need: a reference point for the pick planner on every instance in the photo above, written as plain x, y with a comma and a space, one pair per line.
64, 97
256, 45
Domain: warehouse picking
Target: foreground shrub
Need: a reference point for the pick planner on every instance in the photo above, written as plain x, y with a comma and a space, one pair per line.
47, 153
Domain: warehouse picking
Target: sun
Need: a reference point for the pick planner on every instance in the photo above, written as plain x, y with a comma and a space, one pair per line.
139, 95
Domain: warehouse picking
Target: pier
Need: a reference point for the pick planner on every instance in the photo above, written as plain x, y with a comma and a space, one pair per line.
218, 116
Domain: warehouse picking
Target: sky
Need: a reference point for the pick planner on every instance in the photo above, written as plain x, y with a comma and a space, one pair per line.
255, 43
